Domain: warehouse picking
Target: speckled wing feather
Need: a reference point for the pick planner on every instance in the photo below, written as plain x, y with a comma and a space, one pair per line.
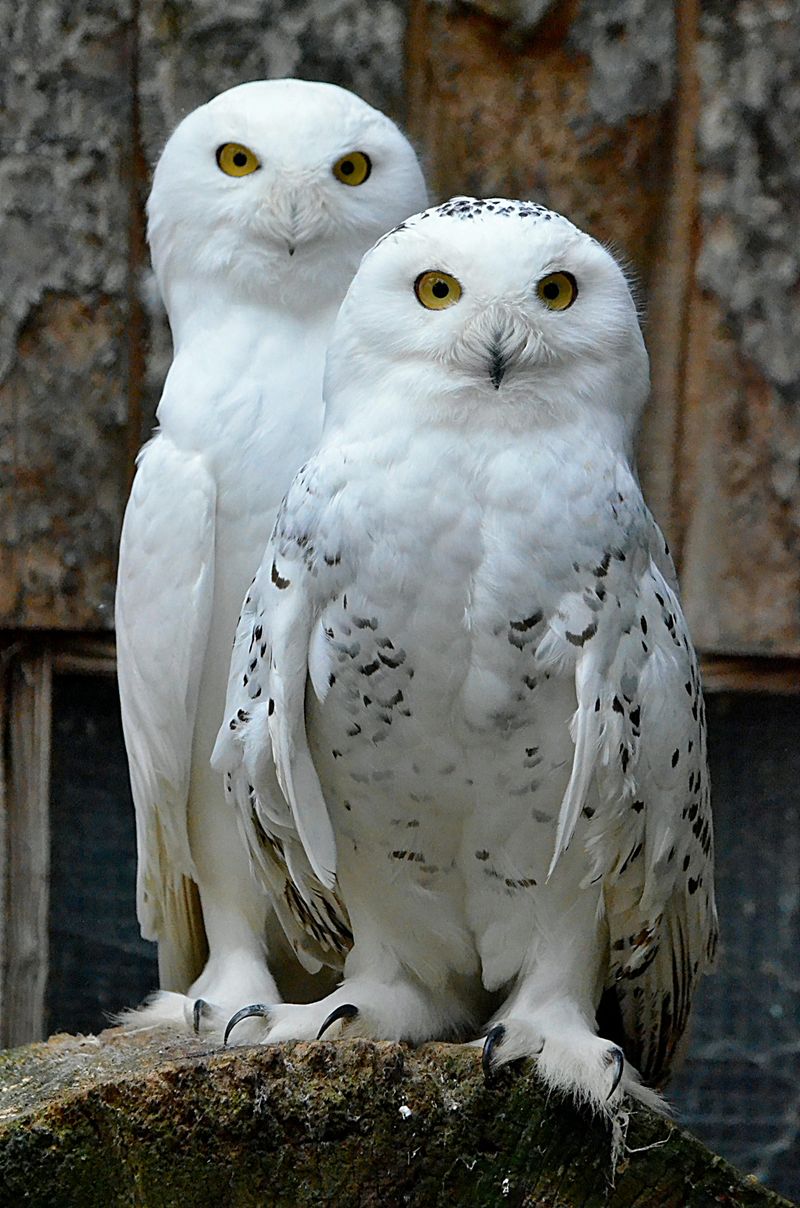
262, 749
640, 732
163, 609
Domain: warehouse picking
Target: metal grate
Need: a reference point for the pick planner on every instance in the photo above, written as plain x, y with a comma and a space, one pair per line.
739, 1090
98, 961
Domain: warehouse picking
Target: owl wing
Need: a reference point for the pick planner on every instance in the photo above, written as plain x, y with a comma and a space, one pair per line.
262, 747
640, 737
164, 600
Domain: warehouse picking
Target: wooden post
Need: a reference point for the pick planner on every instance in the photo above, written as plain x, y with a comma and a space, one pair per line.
25, 723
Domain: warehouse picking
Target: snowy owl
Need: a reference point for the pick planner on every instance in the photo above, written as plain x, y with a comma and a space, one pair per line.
462, 687
263, 202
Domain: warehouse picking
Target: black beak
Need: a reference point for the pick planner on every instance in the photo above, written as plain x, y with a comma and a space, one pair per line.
498, 363
291, 249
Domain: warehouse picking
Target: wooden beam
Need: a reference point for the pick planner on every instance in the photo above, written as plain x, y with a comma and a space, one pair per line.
747, 673
25, 721
84, 654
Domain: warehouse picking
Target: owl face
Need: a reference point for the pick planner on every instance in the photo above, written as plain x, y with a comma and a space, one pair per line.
499, 304
279, 184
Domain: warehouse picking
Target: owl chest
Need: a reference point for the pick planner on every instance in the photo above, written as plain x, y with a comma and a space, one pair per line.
428, 702
425, 765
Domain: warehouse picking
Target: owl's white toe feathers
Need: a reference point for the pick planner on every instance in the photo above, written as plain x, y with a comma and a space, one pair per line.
463, 658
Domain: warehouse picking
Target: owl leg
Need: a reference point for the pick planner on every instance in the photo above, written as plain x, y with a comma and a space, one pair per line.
550, 1014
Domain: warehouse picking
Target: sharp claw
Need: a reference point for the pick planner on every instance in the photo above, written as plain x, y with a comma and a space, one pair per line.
616, 1058
345, 1011
198, 1010
494, 1037
256, 1008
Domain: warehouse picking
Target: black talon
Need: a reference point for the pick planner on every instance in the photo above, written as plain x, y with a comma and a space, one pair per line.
256, 1008
494, 1037
616, 1058
345, 1011
198, 1010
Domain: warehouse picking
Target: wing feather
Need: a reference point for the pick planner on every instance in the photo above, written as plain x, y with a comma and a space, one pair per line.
640, 741
262, 747
164, 601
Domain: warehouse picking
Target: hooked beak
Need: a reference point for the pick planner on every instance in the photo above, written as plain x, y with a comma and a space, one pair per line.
498, 364
494, 340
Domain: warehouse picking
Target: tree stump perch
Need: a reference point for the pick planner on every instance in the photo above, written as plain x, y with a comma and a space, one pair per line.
155, 1120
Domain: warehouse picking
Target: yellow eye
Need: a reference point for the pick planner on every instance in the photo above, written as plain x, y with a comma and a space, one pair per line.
437, 291
236, 160
352, 169
557, 290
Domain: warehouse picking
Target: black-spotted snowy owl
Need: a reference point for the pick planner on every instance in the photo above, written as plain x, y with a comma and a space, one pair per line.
463, 695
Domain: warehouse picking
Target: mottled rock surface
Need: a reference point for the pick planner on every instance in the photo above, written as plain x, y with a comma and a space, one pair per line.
115, 1120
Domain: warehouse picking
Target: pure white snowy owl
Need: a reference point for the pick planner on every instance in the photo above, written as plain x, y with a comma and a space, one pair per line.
462, 690
263, 202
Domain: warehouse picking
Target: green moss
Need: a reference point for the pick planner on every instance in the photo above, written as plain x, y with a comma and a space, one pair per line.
136, 1121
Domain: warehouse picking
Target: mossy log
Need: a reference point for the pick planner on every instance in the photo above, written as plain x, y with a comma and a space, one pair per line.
148, 1120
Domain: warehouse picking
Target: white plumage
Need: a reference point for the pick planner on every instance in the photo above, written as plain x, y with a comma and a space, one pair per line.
472, 678
263, 203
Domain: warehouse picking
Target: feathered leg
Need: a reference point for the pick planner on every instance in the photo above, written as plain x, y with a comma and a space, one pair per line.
550, 1013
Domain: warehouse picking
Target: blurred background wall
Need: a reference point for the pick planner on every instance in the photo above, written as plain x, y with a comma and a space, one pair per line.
668, 130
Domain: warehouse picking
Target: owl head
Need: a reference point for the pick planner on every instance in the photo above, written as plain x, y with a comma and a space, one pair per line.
274, 190
491, 311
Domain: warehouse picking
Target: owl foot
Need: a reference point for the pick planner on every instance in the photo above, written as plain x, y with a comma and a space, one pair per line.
202, 1010
256, 1009
494, 1038
573, 1060
401, 1009
175, 1012
345, 1011
616, 1058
